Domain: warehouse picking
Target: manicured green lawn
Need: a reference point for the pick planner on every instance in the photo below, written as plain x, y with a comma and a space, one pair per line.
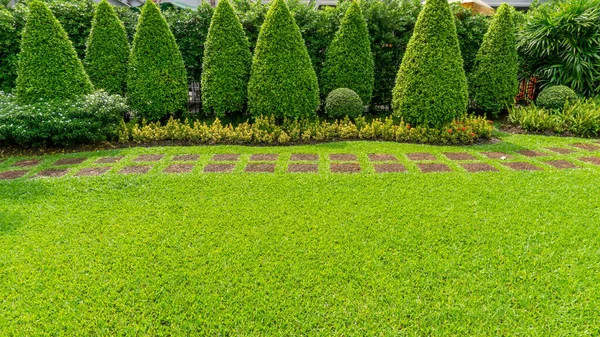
321, 254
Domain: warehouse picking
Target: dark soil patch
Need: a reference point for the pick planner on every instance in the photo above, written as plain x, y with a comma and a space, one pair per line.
149, 157
420, 156
264, 157
343, 157
479, 167
186, 157
587, 147
591, 160
303, 168
135, 169
345, 168
109, 160
69, 161
26, 163
12, 174
2, 161
219, 167
459, 156
531, 153
93, 171
51, 173
226, 157
179, 168
255, 168
496, 155
427, 168
382, 157
560, 150
561, 164
384, 168
305, 156
522, 166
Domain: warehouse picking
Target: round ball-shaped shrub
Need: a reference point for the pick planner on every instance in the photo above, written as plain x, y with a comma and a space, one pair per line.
343, 102
555, 97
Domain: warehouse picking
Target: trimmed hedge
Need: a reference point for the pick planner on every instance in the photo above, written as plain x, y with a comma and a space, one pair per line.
556, 97
494, 82
283, 82
343, 102
9, 49
156, 81
107, 51
226, 66
349, 62
431, 87
48, 64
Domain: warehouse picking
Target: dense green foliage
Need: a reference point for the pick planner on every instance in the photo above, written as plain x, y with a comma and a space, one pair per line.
560, 43
226, 65
48, 65
431, 87
90, 118
556, 97
470, 29
283, 82
157, 81
494, 84
129, 19
343, 102
9, 49
349, 62
107, 51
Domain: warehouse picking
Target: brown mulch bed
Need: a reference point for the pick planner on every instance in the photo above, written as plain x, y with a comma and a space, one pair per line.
219, 167
26, 163
149, 157
427, 168
385, 168
382, 157
345, 168
51, 173
179, 168
304, 157
186, 157
459, 156
561, 164
496, 155
531, 153
12, 174
343, 157
260, 168
93, 171
304, 168
591, 160
522, 166
587, 147
69, 161
264, 157
560, 150
225, 157
420, 156
479, 167
109, 160
135, 169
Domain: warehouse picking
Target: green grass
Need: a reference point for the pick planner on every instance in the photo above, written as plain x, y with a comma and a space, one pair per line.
403, 254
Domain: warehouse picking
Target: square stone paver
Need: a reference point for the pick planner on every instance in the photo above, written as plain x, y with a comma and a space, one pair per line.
27, 163
218, 168
345, 168
430, 167
561, 164
560, 150
93, 171
12, 174
304, 157
385, 168
260, 168
264, 157
591, 160
135, 169
51, 173
531, 153
186, 157
587, 147
522, 166
69, 161
304, 168
109, 160
225, 157
459, 156
420, 156
496, 155
149, 157
382, 157
479, 167
343, 157
179, 168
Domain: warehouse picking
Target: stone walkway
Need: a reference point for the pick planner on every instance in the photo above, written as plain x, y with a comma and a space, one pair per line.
424, 162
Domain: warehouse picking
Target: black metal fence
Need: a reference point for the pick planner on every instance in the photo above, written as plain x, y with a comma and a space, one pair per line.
194, 101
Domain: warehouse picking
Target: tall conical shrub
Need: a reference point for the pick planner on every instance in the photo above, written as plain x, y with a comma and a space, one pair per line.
493, 82
226, 64
431, 86
283, 82
48, 64
348, 61
107, 51
156, 81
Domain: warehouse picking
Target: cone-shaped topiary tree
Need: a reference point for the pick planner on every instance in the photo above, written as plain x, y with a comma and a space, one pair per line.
156, 81
107, 51
226, 64
283, 82
431, 86
493, 82
348, 61
48, 64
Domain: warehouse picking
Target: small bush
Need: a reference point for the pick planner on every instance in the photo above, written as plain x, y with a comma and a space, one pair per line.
90, 118
157, 81
107, 51
556, 97
48, 65
343, 102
